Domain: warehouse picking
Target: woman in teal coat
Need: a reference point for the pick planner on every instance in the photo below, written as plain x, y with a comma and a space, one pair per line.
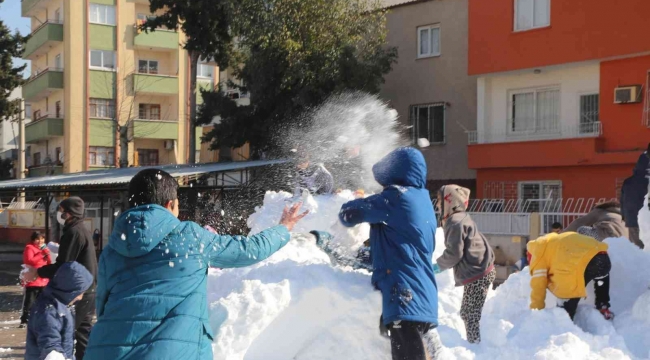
152, 281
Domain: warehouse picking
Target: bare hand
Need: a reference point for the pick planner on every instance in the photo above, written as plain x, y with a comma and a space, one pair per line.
291, 216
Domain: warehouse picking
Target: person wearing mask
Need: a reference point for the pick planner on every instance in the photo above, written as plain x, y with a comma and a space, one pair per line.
152, 282
76, 244
36, 255
632, 193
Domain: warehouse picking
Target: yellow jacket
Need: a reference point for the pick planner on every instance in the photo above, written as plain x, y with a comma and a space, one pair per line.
559, 262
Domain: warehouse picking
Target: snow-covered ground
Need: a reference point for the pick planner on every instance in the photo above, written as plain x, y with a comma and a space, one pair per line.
296, 305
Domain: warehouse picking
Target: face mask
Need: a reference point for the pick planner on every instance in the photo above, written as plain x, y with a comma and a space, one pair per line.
59, 218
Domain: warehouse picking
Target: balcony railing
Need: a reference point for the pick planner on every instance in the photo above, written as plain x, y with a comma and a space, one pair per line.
537, 133
43, 37
42, 83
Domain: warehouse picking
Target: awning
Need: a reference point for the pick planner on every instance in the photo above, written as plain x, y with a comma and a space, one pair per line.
124, 175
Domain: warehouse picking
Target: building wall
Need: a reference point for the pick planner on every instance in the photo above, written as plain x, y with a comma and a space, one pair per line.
495, 91
8, 128
437, 79
623, 127
580, 30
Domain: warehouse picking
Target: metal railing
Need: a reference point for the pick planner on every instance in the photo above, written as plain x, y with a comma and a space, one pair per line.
47, 22
502, 223
513, 134
38, 73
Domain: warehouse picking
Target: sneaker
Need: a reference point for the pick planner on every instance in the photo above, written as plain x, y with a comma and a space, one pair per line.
608, 315
22, 325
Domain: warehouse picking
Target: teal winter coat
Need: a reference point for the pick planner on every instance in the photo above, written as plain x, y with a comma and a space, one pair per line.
152, 284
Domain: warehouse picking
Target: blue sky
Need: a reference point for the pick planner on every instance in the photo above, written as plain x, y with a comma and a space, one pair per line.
10, 15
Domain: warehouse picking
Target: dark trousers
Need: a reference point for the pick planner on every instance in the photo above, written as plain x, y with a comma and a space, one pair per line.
84, 312
31, 293
598, 271
407, 340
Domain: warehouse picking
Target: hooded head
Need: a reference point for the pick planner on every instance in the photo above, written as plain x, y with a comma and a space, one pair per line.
452, 199
71, 280
404, 166
74, 206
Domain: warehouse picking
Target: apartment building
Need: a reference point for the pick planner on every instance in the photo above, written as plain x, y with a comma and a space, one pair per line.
563, 101
9, 132
429, 85
103, 93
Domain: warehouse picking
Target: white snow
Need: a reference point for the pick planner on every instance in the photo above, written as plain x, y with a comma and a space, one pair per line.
296, 305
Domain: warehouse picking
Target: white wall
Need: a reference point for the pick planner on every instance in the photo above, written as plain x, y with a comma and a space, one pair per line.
573, 81
9, 129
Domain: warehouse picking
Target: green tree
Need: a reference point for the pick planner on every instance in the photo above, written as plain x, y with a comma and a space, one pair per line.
206, 24
11, 45
292, 55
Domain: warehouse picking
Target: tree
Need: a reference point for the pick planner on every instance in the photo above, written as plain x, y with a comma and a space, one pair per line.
206, 24
305, 51
11, 45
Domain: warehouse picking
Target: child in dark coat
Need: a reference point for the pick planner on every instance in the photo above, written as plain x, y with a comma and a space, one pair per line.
50, 332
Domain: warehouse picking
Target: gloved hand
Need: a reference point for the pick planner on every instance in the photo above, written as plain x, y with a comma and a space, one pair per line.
383, 330
436, 269
322, 237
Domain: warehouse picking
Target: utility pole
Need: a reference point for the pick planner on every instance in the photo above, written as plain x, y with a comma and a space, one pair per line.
21, 141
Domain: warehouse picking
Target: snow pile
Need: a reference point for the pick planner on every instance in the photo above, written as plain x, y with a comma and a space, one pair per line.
644, 224
296, 305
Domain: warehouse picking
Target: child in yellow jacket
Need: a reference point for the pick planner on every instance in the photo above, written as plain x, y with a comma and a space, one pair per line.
565, 264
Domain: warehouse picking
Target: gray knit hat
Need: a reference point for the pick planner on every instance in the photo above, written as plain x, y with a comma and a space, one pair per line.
589, 231
73, 206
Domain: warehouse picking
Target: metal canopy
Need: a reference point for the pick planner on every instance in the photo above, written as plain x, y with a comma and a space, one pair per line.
124, 175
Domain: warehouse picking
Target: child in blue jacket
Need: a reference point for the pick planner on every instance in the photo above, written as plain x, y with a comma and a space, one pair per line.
50, 331
402, 239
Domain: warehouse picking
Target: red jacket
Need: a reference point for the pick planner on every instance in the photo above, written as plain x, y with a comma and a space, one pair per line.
35, 257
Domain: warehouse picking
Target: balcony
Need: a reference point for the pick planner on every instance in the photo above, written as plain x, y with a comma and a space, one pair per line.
29, 7
153, 129
43, 129
159, 40
43, 38
155, 84
43, 84
535, 133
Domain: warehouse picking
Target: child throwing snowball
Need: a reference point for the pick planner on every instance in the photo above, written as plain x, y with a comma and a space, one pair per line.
468, 253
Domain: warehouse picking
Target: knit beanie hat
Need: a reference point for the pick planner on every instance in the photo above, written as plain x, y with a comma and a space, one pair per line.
589, 231
73, 206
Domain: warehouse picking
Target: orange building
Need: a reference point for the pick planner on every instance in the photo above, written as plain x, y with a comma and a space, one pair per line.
563, 107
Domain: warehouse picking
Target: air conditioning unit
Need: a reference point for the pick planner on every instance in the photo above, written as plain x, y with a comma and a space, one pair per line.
170, 144
627, 94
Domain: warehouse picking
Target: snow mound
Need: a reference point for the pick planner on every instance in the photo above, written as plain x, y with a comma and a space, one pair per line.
644, 224
297, 305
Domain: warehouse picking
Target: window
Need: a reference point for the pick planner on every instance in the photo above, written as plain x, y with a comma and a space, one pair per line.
149, 111
37, 159
589, 114
148, 66
37, 115
428, 122
428, 41
102, 108
531, 14
206, 71
101, 156
540, 196
47, 104
147, 157
57, 109
58, 64
534, 111
102, 14
57, 153
57, 15
102, 59
225, 153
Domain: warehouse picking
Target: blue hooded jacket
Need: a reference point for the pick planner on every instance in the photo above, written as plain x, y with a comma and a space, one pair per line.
152, 284
633, 191
402, 237
51, 323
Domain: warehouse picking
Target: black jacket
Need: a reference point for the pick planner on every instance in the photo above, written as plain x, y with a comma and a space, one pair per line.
634, 189
76, 245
